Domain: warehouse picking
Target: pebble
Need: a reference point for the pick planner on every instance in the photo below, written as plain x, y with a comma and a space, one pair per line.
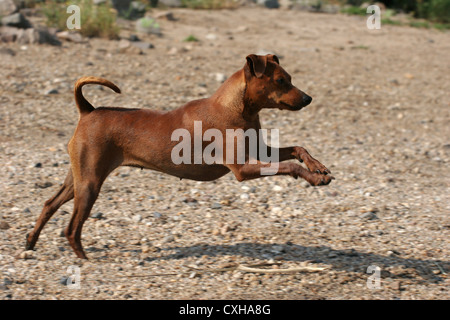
216, 206
244, 196
211, 36
169, 238
97, 215
157, 215
4, 225
369, 216
220, 77
26, 254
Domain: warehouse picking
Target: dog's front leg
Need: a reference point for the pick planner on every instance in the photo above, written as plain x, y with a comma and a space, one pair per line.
302, 155
250, 171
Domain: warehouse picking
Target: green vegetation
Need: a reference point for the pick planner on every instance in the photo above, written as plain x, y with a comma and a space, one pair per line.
95, 20
191, 38
354, 10
435, 12
210, 4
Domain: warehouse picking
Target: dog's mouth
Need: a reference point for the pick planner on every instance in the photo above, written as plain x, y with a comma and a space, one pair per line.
291, 107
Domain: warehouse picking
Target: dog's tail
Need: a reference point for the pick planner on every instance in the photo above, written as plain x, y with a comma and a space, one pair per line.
83, 105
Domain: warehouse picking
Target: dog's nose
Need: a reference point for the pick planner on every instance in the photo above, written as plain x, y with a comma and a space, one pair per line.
307, 99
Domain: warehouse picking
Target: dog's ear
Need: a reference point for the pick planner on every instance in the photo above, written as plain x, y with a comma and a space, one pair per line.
256, 65
273, 58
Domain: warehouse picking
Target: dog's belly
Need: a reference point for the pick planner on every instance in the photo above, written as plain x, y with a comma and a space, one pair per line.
185, 171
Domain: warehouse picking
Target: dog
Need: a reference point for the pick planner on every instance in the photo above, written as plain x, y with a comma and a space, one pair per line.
106, 138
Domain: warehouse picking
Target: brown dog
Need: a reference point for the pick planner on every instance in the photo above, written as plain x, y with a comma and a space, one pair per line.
107, 138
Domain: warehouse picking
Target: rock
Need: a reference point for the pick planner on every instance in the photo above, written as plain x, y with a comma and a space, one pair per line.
220, 77
171, 3
166, 15
277, 188
134, 38
148, 25
98, 215
168, 239
71, 36
143, 45
172, 51
38, 165
7, 7
125, 46
241, 29
136, 10
36, 36
216, 206
224, 229
26, 255
8, 34
17, 20
157, 215
211, 36
369, 216
122, 6
271, 4
64, 280
137, 218
4, 225
43, 185
396, 285
51, 91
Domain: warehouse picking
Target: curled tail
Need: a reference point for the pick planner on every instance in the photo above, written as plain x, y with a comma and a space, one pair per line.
83, 105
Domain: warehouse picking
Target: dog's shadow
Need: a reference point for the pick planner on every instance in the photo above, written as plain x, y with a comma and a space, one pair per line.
391, 265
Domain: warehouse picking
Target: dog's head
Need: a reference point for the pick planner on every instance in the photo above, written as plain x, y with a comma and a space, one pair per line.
268, 85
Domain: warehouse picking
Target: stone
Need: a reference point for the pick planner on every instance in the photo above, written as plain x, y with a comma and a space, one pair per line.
271, 4
122, 6
8, 34
143, 45
36, 36
4, 225
51, 91
7, 7
216, 206
17, 20
168, 239
211, 36
166, 15
70, 36
125, 46
220, 77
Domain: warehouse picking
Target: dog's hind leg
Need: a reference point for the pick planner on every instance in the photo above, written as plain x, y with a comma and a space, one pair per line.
65, 193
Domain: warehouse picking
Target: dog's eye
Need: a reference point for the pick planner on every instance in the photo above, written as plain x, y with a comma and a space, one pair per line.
280, 81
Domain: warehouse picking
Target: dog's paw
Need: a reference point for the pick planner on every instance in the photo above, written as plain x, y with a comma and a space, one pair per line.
318, 179
311, 163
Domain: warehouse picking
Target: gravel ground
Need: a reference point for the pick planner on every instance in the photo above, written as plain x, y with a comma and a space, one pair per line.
379, 121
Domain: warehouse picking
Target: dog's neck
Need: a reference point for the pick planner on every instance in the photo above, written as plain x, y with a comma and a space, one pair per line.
231, 95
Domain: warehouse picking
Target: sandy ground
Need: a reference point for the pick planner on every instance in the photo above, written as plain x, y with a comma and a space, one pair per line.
379, 121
